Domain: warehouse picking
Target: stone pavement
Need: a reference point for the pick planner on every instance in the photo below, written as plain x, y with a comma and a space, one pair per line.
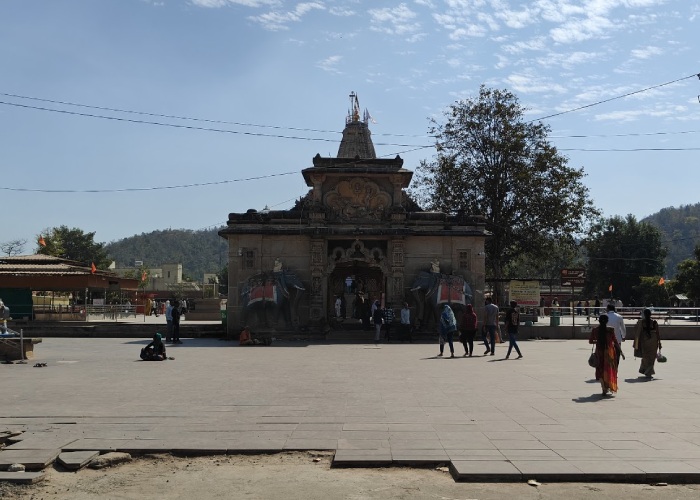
491, 419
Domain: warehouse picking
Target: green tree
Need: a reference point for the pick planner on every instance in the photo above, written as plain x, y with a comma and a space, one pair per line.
492, 162
223, 280
649, 292
688, 276
620, 252
74, 244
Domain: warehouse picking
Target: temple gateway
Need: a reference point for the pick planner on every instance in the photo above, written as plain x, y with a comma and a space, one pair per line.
354, 238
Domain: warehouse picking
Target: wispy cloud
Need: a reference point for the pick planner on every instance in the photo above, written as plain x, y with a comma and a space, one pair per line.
398, 20
330, 64
245, 3
646, 52
530, 83
278, 20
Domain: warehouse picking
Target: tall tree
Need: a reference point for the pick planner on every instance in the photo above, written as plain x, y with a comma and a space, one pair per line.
492, 162
620, 252
74, 244
688, 277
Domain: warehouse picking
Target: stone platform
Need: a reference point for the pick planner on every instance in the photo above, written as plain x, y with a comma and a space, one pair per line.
490, 419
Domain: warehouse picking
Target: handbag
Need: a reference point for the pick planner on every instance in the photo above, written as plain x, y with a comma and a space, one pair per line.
593, 359
660, 357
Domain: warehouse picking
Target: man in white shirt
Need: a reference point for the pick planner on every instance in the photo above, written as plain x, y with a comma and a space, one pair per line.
617, 323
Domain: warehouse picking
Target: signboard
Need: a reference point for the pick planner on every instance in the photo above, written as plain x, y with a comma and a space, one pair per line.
525, 293
573, 277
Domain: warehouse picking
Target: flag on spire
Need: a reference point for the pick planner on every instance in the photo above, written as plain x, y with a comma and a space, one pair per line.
610, 288
42, 242
662, 281
93, 269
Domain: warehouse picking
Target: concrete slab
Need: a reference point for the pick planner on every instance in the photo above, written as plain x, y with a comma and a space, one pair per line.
22, 477
74, 460
31, 459
491, 471
368, 405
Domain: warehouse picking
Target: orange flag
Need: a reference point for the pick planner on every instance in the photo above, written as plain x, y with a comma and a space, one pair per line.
144, 276
610, 288
662, 281
42, 242
93, 269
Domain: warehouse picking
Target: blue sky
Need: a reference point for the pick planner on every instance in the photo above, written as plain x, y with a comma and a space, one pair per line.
278, 73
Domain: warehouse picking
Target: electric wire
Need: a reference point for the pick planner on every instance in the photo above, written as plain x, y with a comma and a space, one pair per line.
590, 105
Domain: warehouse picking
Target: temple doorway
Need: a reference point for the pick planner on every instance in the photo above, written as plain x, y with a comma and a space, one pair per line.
352, 288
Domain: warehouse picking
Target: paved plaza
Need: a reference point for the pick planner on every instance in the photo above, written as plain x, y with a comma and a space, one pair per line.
491, 419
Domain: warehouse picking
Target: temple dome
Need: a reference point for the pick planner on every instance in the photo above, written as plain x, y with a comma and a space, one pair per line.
357, 138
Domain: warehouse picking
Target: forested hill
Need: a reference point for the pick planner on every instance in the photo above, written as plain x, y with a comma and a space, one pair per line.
680, 228
199, 252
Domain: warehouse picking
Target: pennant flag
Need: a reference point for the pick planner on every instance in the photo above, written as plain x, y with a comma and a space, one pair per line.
144, 276
610, 288
93, 269
662, 281
42, 242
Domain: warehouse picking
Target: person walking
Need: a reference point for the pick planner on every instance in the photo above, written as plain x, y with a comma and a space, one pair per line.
647, 342
448, 326
388, 320
176, 323
617, 323
168, 321
378, 318
596, 307
490, 324
469, 325
605, 346
406, 323
512, 323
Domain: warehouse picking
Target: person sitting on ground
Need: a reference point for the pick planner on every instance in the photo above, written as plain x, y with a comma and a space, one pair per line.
246, 339
155, 351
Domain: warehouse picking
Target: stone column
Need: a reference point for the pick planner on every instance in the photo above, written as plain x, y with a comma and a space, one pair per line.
396, 283
316, 305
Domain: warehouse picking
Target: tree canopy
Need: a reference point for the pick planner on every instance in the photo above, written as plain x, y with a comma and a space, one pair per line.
490, 161
620, 252
688, 277
73, 244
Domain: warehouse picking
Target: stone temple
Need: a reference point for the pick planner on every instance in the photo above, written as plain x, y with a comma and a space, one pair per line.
354, 238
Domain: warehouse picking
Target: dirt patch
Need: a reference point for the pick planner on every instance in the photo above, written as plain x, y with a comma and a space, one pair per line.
303, 475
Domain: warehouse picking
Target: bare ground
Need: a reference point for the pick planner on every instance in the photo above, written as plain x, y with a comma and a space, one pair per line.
303, 475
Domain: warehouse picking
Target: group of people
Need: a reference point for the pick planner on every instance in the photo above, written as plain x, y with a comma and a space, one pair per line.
173, 313
383, 319
608, 337
449, 326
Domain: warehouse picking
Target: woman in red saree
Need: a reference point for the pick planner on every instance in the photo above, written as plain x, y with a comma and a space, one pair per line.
605, 348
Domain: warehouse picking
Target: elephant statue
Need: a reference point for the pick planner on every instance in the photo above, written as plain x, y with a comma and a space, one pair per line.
432, 289
266, 297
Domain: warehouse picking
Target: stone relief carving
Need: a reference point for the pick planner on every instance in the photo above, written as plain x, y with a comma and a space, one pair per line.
358, 198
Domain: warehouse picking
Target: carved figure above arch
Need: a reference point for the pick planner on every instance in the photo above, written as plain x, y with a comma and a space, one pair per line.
358, 198
358, 252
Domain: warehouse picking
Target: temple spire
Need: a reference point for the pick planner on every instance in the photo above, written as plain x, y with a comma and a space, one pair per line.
357, 139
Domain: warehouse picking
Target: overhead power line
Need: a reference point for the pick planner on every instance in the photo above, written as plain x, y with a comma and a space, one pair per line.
189, 118
615, 98
189, 127
126, 190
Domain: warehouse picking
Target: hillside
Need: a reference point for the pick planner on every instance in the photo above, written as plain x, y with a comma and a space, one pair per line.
202, 251
680, 228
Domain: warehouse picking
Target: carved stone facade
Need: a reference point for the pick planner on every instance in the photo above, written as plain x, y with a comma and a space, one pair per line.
355, 235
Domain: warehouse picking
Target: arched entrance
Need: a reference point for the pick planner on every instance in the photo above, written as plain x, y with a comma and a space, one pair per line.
357, 284
357, 275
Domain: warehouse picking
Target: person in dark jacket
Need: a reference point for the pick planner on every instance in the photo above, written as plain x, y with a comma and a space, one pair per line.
468, 333
176, 323
378, 319
155, 351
